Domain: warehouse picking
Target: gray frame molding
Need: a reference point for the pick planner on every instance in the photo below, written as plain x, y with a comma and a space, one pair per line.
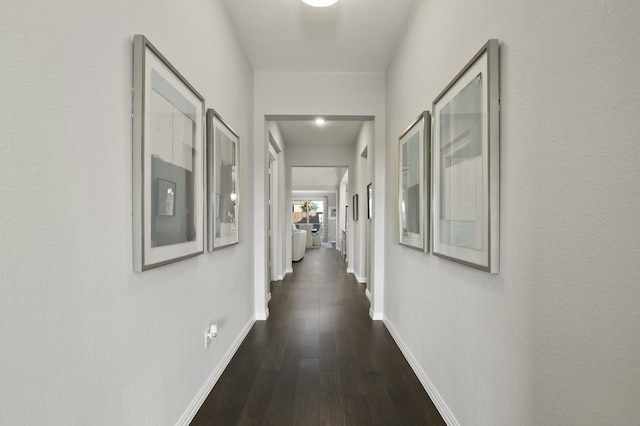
426, 184
491, 49
140, 46
209, 142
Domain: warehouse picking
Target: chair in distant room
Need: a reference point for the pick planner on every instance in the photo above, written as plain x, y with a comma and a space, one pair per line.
309, 228
316, 237
299, 244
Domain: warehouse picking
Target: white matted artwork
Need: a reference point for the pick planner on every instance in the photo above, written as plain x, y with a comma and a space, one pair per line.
466, 169
168, 141
222, 183
333, 212
413, 149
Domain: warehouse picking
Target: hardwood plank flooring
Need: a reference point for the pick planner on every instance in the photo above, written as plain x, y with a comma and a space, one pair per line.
318, 360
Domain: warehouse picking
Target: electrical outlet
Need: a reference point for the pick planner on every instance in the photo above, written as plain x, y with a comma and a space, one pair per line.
211, 332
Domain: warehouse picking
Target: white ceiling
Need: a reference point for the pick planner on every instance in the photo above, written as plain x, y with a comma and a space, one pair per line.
309, 133
313, 177
350, 36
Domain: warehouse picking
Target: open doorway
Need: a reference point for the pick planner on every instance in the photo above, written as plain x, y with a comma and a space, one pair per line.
309, 215
315, 203
318, 162
325, 168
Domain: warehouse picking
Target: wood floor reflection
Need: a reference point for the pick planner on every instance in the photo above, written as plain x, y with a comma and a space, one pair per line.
318, 360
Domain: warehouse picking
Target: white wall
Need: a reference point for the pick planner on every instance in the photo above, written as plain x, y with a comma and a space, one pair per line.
553, 339
343, 201
332, 224
279, 259
84, 336
346, 94
358, 185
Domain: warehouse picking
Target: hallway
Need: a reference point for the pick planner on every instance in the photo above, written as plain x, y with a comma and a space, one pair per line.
318, 359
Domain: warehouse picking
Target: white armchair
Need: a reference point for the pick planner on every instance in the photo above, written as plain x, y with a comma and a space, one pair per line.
299, 244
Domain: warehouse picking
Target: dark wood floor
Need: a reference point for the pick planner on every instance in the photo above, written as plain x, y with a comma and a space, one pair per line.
318, 360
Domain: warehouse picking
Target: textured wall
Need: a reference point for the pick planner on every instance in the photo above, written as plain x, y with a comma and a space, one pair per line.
85, 340
359, 179
279, 256
554, 338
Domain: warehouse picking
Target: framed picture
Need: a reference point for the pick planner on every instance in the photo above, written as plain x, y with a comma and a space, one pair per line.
222, 183
333, 212
413, 196
166, 198
168, 161
466, 164
370, 201
354, 207
346, 218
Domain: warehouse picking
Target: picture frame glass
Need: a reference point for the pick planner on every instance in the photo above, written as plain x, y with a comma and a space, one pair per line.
411, 184
370, 201
466, 199
346, 218
462, 169
222, 183
168, 161
333, 212
355, 207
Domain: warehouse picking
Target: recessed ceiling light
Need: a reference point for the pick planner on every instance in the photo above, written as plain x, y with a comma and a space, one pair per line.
320, 121
320, 3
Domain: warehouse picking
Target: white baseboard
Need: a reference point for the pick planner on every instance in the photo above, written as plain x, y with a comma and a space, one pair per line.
280, 277
197, 402
368, 294
442, 407
360, 279
374, 316
350, 271
263, 317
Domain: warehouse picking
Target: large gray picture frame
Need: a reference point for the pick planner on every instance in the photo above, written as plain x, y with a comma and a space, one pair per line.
466, 165
168, 161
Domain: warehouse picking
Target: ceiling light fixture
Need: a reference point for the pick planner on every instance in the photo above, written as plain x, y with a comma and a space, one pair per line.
320, 121
320, 3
